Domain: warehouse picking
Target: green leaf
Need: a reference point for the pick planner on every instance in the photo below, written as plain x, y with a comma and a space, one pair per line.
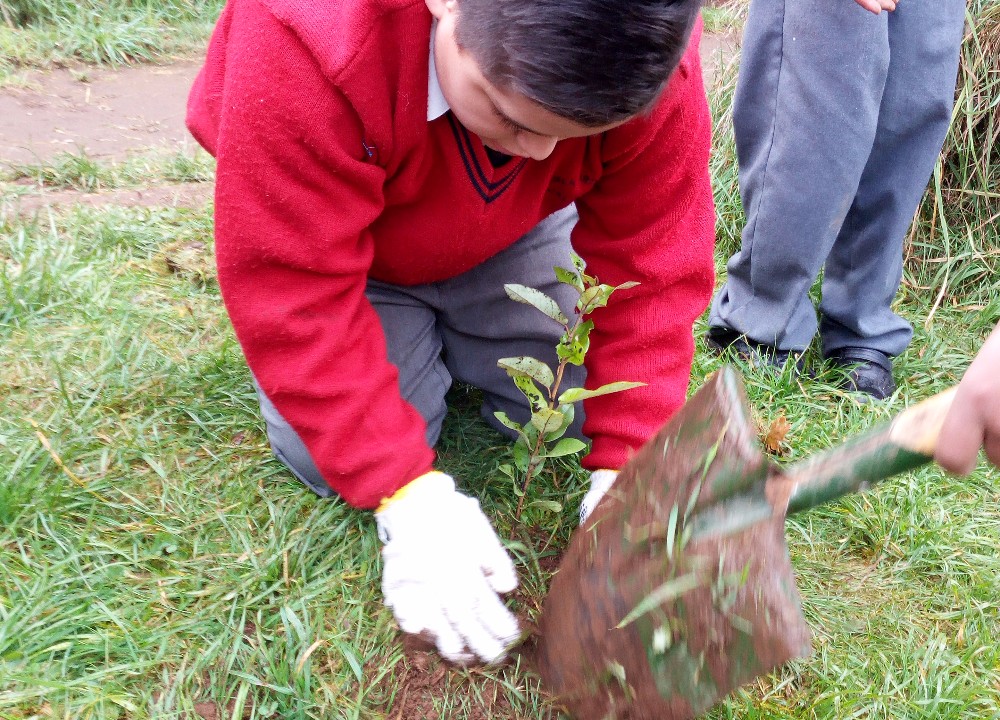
569, 351
550, 505
537, 299
593, 298
581, 266
569, 412
351, 658
521, 455
566, 446
577, 394
506, 421
547, 420
569, 277
506, 470
672, 531
572, 395
574, 345
527, 386
524, 381
597, 296
528, 367
587, 297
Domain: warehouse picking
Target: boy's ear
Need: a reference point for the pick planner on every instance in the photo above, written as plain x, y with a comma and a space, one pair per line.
440, 8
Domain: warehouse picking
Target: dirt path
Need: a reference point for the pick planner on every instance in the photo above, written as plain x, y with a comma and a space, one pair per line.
106, 113
109, 114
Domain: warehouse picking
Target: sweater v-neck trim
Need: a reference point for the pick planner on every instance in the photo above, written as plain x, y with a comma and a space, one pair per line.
489, 182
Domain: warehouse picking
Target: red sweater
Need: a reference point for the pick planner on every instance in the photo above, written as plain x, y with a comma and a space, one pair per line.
329, 173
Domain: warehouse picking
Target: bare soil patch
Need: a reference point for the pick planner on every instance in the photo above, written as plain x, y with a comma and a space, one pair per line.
106, 113
424, 680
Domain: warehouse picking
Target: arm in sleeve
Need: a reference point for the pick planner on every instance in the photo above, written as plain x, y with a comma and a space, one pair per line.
649, 219
295, 197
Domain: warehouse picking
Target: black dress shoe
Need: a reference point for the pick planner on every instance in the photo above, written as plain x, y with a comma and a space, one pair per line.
869, 371
719, 340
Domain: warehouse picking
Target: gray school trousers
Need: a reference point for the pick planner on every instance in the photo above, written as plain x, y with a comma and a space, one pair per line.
457, 329
839, 117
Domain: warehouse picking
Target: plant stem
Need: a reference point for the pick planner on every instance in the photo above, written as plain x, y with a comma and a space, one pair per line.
540, 442
530, 474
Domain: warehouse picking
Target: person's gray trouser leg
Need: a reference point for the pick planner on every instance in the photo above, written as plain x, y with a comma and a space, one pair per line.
461, 326
865, 266
413, 346
289, 448
413, 342
805, 113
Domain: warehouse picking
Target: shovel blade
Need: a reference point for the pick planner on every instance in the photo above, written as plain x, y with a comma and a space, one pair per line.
645, 619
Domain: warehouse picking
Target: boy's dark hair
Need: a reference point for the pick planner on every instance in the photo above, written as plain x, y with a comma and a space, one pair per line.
594, 62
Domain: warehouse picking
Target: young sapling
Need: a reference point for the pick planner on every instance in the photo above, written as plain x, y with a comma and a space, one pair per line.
552, 408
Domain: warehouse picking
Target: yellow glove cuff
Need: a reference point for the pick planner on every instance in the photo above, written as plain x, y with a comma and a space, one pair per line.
405, 490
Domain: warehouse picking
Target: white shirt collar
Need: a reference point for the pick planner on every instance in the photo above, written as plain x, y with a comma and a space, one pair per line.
436, 103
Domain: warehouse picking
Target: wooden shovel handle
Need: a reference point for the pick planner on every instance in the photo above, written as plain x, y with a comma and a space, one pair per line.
917, 428
905, 443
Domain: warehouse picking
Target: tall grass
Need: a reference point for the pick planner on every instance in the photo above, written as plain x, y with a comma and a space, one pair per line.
101, 31
954, 247
23, 13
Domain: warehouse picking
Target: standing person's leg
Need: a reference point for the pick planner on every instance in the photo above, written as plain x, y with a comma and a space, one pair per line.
414, 347
805, 112
865, 266
480, 324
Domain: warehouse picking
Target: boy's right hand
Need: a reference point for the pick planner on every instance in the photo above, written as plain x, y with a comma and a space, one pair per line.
443, 567
974, 419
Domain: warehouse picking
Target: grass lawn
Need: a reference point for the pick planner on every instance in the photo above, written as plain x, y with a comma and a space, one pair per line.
157, 562
55, 32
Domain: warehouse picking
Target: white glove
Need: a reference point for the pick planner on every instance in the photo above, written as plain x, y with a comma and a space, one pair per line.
600, 482
443, 566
